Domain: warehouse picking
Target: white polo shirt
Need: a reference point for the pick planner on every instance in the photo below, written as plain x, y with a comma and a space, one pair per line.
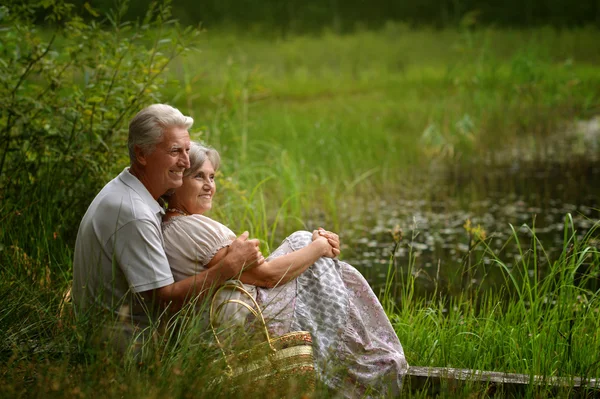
119, 253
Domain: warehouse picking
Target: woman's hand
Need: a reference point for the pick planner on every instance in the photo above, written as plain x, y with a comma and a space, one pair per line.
324, 249
332, 239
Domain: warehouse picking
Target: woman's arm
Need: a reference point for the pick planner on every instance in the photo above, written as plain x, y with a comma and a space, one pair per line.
287, 267
221, 253
279, 270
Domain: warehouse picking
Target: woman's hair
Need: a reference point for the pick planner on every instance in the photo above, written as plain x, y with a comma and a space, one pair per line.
147, 127
199, 154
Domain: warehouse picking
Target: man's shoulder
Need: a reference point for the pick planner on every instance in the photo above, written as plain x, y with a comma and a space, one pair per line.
119, 203
126, 202
116, 207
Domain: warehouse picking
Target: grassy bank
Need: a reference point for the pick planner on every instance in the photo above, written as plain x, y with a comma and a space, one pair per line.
307, 125
545, 326
539, 325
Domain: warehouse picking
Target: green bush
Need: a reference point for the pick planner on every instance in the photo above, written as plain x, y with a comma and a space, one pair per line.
68, 87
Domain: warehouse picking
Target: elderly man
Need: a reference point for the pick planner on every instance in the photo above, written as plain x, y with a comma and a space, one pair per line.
120, 266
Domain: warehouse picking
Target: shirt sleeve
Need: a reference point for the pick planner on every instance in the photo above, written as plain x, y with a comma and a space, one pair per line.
191, 242
138, 250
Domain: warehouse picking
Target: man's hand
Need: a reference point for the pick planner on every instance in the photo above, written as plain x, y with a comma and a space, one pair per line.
332, 238
245, 254
241, 255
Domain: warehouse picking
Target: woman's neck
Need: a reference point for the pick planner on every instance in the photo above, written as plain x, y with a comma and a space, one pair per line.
175, 210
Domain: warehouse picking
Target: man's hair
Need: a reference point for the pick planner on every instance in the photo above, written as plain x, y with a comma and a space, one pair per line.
199, 154
148, 126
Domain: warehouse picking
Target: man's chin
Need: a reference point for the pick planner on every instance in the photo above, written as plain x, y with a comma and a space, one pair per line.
175, 184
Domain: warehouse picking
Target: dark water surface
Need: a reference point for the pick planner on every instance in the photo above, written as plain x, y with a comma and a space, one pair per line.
528, 188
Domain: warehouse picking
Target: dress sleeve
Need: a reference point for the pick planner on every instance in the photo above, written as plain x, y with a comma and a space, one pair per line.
192, 241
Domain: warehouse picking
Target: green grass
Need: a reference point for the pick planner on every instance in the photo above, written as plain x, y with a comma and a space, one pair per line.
540, 326
329, 118
308, 127
544, 326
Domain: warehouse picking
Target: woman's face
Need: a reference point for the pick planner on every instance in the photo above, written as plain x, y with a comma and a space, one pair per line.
196, 193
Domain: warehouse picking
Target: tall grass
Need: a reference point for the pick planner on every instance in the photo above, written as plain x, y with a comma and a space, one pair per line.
538, 325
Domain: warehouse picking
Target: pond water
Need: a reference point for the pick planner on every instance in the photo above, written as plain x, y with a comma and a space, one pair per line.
528, 188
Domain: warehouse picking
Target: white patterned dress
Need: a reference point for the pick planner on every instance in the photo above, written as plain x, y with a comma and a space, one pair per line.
331, 299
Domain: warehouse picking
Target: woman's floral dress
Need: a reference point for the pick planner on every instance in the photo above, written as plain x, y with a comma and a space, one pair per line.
357, 352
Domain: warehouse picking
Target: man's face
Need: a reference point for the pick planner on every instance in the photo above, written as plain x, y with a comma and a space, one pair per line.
165, 165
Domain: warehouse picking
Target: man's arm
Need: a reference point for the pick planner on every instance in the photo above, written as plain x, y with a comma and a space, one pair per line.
243, 254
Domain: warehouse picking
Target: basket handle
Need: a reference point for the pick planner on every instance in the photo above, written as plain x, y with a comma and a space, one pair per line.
256, 312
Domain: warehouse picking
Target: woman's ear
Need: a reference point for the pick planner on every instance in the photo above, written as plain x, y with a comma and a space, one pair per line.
140, 157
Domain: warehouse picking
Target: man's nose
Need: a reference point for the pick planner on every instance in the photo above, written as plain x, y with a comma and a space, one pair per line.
185, 160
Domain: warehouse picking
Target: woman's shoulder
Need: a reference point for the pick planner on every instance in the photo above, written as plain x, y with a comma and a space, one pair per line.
196, 222
205, 221
188, 219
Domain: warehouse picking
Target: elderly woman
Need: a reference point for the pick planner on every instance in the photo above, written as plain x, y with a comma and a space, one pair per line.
301, 286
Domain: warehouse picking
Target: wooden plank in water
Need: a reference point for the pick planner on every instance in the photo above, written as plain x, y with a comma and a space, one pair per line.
500, 378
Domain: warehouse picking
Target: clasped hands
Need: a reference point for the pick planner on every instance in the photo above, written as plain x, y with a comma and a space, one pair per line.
332, 239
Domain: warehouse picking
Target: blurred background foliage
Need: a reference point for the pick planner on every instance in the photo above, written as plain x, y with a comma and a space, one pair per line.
303, 16
308, 124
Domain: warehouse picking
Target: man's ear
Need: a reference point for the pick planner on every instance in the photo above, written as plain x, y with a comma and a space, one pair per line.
140, 157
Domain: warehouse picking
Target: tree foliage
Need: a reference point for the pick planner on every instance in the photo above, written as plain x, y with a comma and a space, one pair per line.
67, 92
313, 15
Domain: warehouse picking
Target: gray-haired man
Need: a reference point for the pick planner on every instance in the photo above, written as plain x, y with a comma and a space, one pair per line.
120, 266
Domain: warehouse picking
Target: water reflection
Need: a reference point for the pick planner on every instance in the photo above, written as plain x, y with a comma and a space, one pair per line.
532, 195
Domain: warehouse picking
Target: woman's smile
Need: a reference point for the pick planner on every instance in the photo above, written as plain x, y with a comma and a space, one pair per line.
205, 197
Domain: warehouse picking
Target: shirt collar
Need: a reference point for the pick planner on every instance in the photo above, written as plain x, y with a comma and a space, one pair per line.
133, 182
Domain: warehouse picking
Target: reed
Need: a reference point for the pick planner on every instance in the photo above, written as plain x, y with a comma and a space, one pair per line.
538, 325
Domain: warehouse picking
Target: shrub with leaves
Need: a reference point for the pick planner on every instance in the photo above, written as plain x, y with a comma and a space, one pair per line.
68, 87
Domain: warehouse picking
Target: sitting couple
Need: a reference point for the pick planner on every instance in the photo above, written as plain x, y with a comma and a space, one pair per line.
129, 263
